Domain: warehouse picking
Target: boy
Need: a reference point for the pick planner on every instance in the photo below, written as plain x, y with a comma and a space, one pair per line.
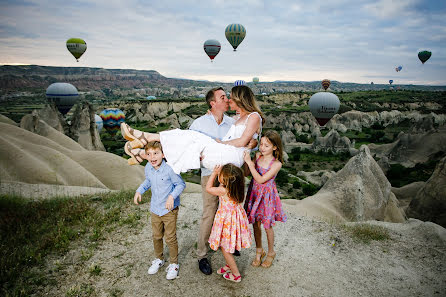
166, 189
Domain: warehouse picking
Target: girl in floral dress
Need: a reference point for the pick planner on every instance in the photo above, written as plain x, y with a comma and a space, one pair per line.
263, 204
230, 230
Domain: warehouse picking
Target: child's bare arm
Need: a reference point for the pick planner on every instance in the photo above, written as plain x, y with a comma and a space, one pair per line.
216, 191
275, 167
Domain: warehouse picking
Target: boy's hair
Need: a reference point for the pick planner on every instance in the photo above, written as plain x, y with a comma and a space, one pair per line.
210, 95
153, 145
275, 140
233, 180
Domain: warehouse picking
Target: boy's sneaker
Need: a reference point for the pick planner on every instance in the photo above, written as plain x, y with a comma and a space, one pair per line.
172, 271
156, 264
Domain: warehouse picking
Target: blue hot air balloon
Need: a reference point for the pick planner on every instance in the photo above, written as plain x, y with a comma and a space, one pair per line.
64, 96
151, 97
390, 81
99, 123
239, 83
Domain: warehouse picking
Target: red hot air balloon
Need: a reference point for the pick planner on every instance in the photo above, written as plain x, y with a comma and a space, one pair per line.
212, 48
325, 84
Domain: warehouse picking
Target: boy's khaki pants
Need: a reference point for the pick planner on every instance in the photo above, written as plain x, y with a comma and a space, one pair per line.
210, 205
165, 226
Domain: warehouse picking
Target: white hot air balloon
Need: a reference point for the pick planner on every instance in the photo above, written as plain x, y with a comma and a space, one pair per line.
323, 106
64, 96
99, 122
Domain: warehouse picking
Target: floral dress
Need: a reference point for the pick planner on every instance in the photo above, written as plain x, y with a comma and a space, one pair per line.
230, 230
263, 201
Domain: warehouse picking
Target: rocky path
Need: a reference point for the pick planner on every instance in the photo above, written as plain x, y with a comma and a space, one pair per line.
313, 259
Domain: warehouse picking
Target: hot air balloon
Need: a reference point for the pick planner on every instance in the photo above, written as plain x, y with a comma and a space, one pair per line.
99, 123
151, 97
255, 80
64, 96
325, 84
112, 117
202, 96
372, 83
235, 33
212, 48
424, 56
239, 83
390, 81
77, 47
323, 106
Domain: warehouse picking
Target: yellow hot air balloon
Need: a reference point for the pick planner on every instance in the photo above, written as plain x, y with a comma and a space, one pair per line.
77, 47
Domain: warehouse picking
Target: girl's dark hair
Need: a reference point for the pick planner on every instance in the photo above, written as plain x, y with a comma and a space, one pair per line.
275, 140
233, 180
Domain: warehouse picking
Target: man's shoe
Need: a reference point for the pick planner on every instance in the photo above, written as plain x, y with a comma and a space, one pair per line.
236, 253
205, 266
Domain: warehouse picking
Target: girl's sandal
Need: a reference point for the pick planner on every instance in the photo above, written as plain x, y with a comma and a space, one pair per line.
269, 260
129, 134
224, 269
231, 277
255, 262
135, 159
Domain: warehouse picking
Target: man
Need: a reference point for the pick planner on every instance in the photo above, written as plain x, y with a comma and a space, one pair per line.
214, 124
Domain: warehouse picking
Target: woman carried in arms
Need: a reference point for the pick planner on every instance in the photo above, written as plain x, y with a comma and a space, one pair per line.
184, 149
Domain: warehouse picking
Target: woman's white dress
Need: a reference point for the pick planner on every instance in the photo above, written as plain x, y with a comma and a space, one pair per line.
182, 148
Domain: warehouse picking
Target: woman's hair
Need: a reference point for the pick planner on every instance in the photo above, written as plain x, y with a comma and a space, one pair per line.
210, 95
244, 98
233, 180
275, 140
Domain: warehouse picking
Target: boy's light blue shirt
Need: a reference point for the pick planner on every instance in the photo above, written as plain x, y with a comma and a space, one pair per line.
163, 182
207, 125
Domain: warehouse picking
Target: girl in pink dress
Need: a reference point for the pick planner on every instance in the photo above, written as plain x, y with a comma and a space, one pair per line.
263, 204
230, 230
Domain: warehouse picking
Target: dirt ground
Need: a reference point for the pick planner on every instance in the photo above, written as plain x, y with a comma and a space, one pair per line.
314, 258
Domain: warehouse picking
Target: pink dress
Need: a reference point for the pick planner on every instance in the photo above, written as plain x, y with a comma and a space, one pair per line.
230, 230
263, 201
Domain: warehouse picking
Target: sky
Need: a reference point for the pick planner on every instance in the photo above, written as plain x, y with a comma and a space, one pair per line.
358, 41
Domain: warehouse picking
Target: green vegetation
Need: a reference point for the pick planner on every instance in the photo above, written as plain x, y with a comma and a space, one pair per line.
399, 176
31, 230
366, 233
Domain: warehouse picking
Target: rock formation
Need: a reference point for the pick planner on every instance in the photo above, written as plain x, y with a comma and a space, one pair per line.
332, 142
83, 127
358, 192
410, 149
429, 204
406, 193
52, 158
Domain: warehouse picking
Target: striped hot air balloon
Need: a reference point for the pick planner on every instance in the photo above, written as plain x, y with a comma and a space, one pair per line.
212, 48
112, 118
235, 33
255, 80
323, 106
325, 84
77, 47
64, 96
239, 83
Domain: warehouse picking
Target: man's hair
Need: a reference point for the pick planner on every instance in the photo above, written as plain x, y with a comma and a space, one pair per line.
153, 145
210, 95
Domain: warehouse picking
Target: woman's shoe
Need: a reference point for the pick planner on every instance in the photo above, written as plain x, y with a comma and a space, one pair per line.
231, 277
135, 159
131, 135
224, 269
256, 263
269, 260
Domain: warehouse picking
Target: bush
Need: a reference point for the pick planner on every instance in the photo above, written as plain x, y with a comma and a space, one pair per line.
367, 233
309, 189
282, 178
296, 185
